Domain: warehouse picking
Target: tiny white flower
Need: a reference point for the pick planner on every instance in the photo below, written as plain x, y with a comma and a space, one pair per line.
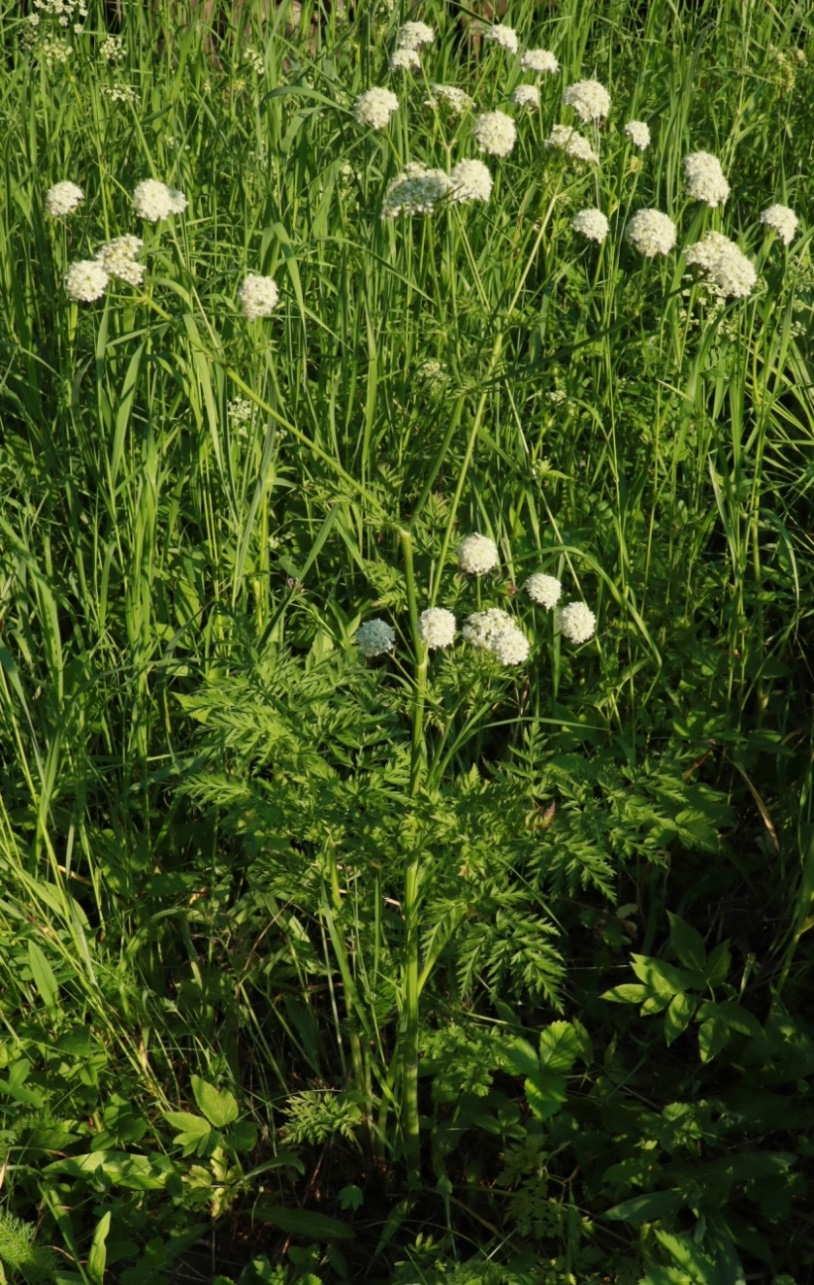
85, 281
570, 141
436, 626
589, 99
118, 258
404, 60
544, 589
651, 233
495, 631
63, 198
541, 60
153, 200
178, 202
374, 107
415, 191
705, 179
375, 637
258, 296
591, 224
527, 96
495, 133
781, 220
470, 181
477, 554
577, 622
414, 34
502, 35
638, 133
455, 99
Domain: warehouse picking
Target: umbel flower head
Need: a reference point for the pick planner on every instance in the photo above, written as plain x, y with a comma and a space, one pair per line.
502, 35
651, 233
477, 554
539, 60
564, 139
495, 133
781, 220
414, 34
577, 622
589, 99
258, 297
452, 97
469, 181
436, 627
85, 281
374, 107
375, 637
638, 133
415, 191
495, 631
118, 258
705, 179
544, 589
154, 201
727, 272
527, 96
591, 224
63, 198
403, 59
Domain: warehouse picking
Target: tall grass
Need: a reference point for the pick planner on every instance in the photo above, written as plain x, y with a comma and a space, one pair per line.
231, 849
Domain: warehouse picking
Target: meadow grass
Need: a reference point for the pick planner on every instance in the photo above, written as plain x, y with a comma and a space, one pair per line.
301, 948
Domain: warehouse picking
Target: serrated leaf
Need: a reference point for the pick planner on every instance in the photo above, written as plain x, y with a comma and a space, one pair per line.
559, 1046
545, 1094
188, 1125
521, 1058
43, 974
687, 943
218, 1105
678, 1016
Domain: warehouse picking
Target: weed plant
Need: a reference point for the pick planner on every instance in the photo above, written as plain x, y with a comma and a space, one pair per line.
334, 947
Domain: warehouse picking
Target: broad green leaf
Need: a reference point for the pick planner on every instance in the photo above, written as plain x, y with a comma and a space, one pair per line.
191, 1128
647, 1208
687, 943
139, 1173
302, 1222
732, 1015
628, 993
559, 1046
678, 1016
43, 974
545, 1094
521, 1058
718, 965
351, 1197
654, 1004
662, 977
219, 1106
97, 1255
712, 1037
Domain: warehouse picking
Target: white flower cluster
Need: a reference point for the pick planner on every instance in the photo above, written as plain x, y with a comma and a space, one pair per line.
375, 637
258, 296
119, 93
577, 622
572, 143
495, 133
436, 627
592, 224
705, 179
781, 220
118, 258
112, 49
63, 198
638, 133
415, 191
651, 233
527, 96
469, 181
540, 60
502, 35
85, 281
374, 107
727, 272
404, 60
239, 411
477, 554
255, 62
544, 589
455, 99
589, 99
154, 201
495, 631
413, 35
